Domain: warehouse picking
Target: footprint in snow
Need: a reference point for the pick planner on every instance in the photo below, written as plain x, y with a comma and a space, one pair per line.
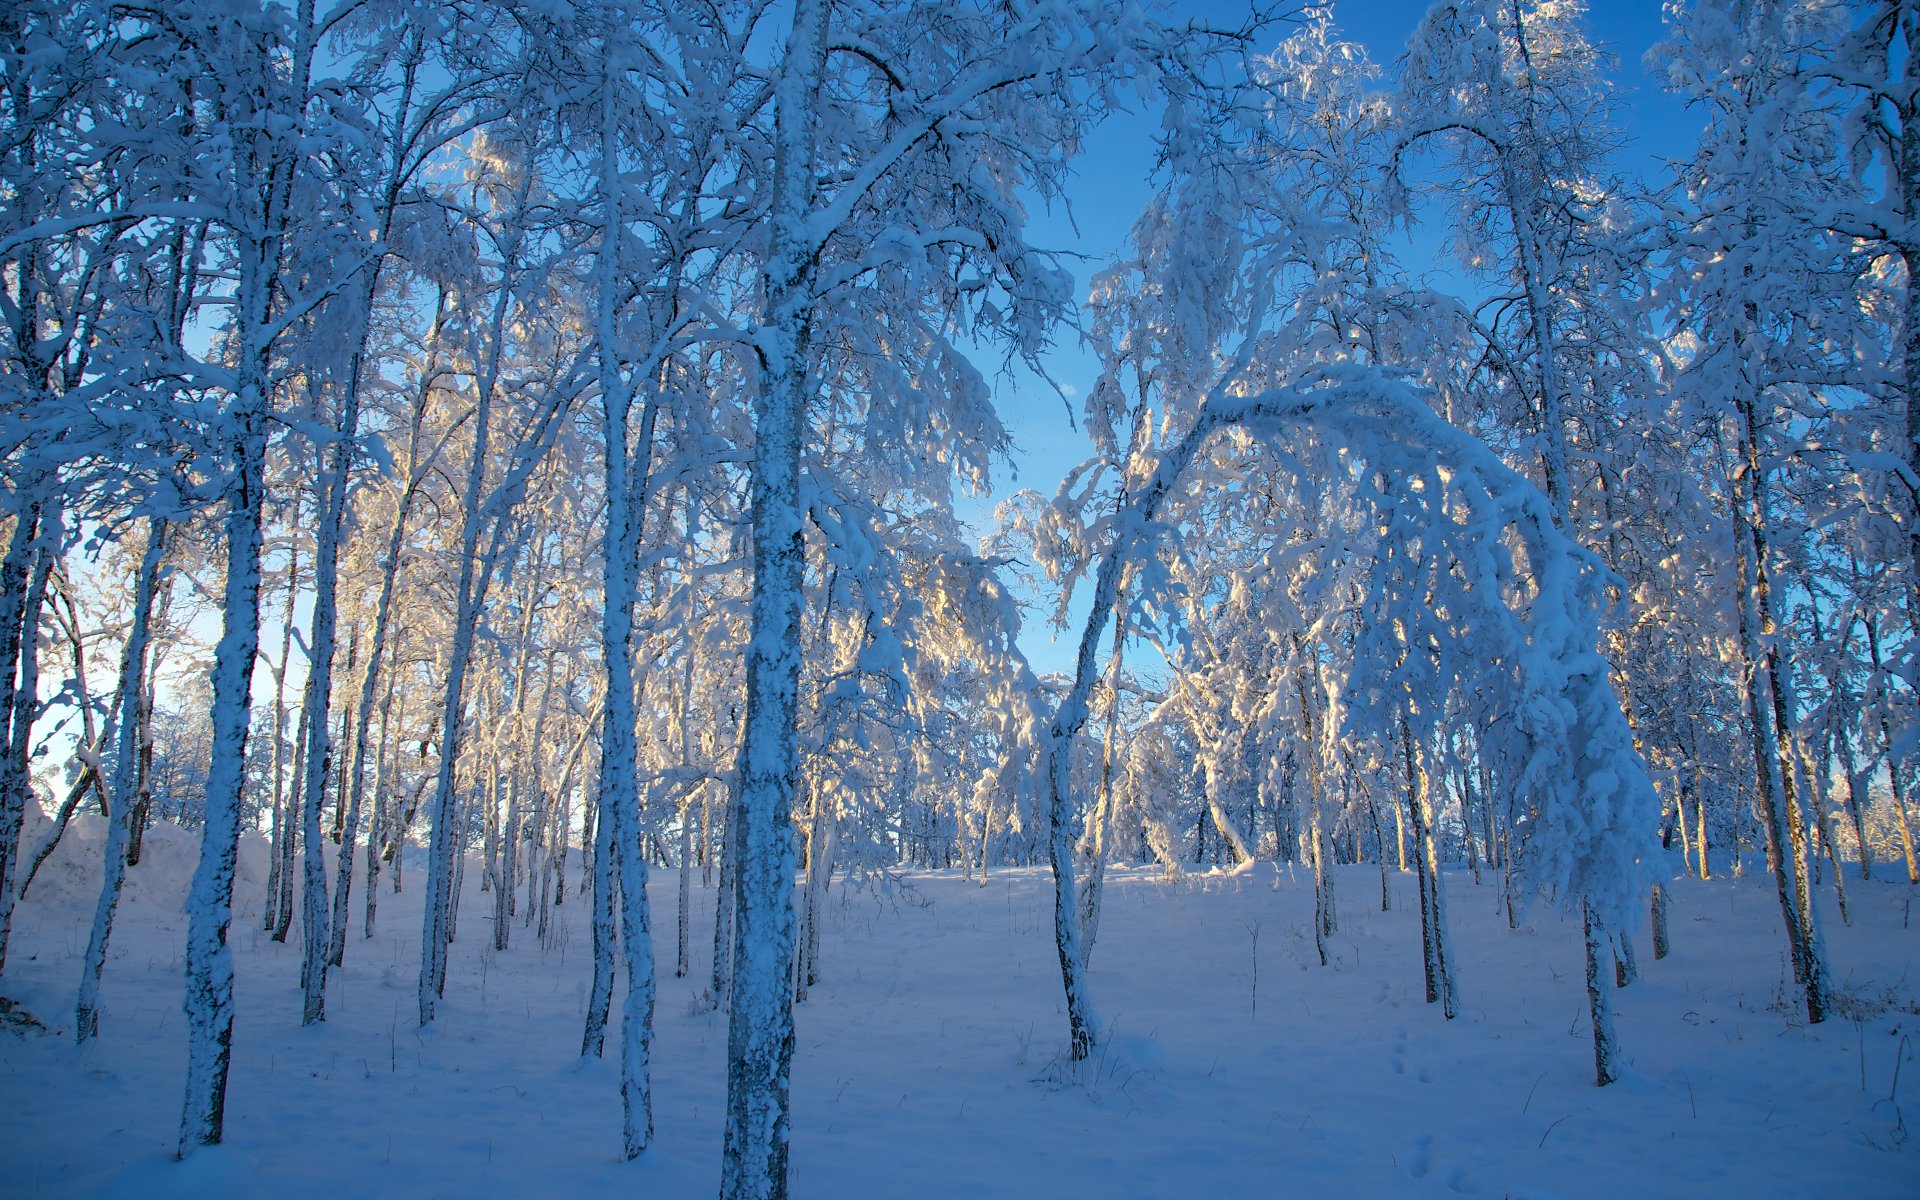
1420, 1160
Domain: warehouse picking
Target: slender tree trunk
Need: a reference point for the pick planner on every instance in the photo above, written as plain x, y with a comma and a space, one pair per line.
1229, 831
133, 687
1507, 880
87, 781
282, 824
315, 940
1763, 675
1101, 824
1823, 825
23, 631
15, 571
636, 1018
1400, 835
143, 773
720, 987
1904, 97
1626, 968
806, 941
618, 853
386, 840
1427, 854
1599, 1002
1897, 787
605, 929
283, 894
1430, 964
1896, 781
1324, 921
316, 937
1540, 315
209, 999
682, 923
447, 840
1463, 794
706, 836
1700, 837
506, 843
1661, 943
684, 704
348, 803
1839, 745
1853, 801
1379, 846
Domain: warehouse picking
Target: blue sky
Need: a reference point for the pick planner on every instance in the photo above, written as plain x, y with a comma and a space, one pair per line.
1111, 184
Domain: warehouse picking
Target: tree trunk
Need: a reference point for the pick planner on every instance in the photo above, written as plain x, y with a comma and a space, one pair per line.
143, 774
446, 841
1324, 922
126, 766
1660, 942
1099, 828
1433, 923
283, 893
760, 1022
316, 937
720, 986
1379, 846
23, 632
209, 968
605, 929
1762, 677
1599, 1002
682, 924
617, 835
282, 826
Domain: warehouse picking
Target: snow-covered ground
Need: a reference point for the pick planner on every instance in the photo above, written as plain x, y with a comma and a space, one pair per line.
929, 1056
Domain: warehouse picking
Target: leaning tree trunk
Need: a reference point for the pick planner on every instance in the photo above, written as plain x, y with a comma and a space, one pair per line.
126, 767
89, 752
1896, 781
315, 915
445, 841
1763, 676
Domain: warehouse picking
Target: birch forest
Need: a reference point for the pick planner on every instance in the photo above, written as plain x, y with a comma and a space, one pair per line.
489, 489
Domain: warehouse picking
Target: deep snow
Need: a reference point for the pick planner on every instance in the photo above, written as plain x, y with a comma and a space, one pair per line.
929, 1055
